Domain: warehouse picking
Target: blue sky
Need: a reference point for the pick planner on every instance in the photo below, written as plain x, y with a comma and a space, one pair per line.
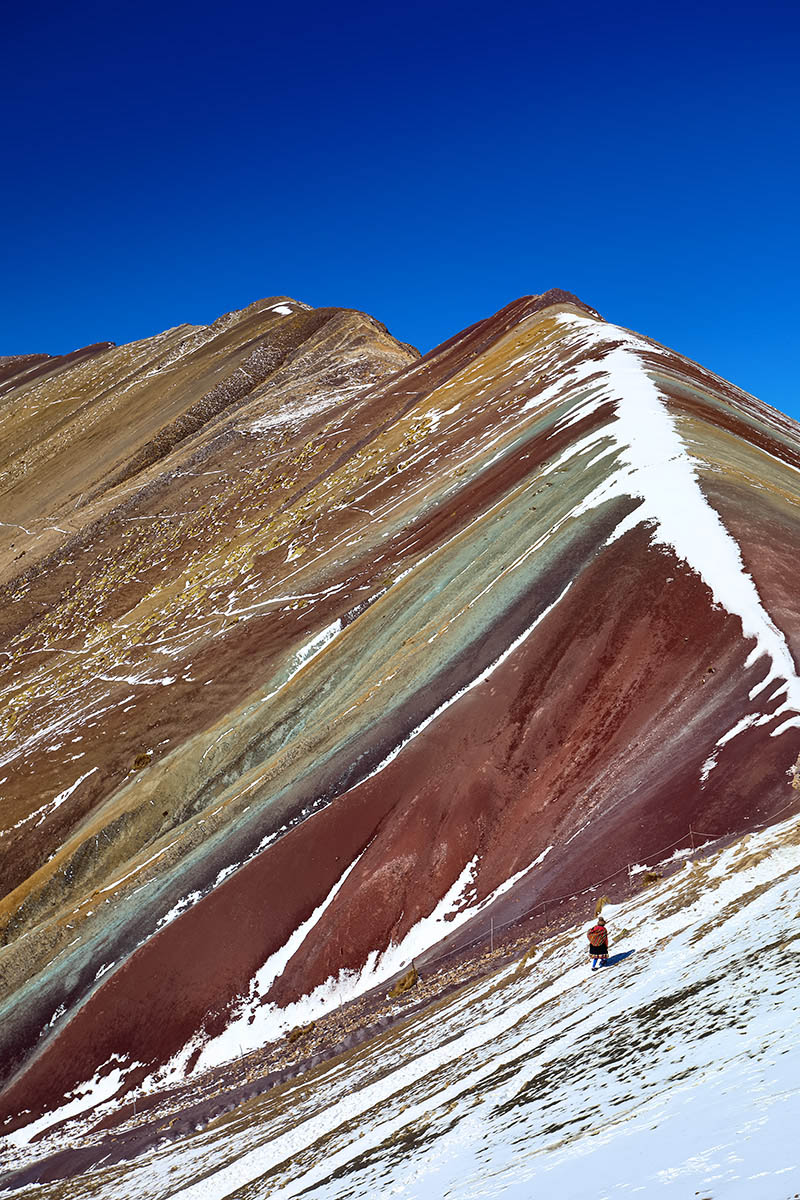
425, 162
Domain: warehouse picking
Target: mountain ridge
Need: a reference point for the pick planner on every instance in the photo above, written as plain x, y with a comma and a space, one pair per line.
550, 657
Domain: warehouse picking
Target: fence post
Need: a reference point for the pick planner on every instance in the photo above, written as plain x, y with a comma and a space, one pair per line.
691, 837
491, 935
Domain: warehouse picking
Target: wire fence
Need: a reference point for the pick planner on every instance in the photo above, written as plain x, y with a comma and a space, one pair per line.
549, 901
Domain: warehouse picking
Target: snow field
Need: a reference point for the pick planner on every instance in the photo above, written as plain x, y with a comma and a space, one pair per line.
674, 1071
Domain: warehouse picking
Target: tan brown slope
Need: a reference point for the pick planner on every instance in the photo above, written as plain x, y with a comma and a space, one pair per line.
120, 475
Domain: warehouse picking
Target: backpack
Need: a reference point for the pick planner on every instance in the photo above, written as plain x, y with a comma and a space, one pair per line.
597, 936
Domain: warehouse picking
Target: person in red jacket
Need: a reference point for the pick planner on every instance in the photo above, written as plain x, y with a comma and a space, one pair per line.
598, 943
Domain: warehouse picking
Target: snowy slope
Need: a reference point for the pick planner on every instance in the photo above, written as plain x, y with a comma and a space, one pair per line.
675, 1071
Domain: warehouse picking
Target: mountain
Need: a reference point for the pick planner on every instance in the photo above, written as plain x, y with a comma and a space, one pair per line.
319, 657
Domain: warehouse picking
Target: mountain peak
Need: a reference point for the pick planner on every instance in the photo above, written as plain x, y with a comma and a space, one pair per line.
318, 656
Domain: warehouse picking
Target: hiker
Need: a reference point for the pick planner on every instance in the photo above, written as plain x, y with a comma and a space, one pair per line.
598, 944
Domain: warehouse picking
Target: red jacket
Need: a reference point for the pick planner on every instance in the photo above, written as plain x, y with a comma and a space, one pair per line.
598, 936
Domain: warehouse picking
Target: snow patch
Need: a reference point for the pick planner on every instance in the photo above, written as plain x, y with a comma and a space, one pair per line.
268, 1021
87, 1095
46, 809
182, 905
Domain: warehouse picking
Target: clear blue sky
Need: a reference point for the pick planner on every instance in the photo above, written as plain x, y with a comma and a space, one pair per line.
426, 162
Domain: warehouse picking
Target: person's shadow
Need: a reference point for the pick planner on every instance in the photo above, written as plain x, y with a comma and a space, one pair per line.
613, 959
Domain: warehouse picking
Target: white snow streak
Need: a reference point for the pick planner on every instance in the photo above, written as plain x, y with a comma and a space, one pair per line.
657, 468
502, 1103
56, 802
259, 1023
87, 1095
484, 675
